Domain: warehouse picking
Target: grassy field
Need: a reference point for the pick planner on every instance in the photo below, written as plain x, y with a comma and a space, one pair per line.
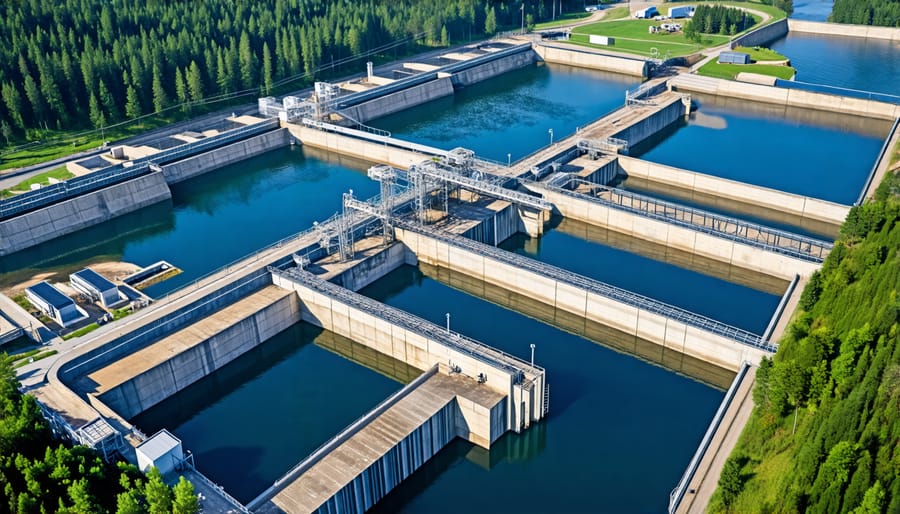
565, 19
730, 71
758, 54
633, 36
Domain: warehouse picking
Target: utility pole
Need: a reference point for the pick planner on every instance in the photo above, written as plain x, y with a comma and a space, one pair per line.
523, 18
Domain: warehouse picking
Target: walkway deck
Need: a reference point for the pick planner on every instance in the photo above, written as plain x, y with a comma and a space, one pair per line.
331, 472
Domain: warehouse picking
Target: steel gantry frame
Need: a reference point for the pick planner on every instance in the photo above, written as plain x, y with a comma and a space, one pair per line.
596, 147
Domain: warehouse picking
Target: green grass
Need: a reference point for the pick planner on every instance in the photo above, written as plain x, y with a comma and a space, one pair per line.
565, 19
81, 331
20, 359
759, 53
633, 36
617, 13
641, 47
23, 302
772, 11
36, 357
730, 71
61, 173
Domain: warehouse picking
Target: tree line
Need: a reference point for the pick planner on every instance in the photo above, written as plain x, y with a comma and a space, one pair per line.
40, 474
824, 434
884, 13
717, 19
89, 63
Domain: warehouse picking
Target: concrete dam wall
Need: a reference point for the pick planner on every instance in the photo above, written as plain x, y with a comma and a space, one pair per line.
149, 376
584, 58
493, 68
69, 216
762, 35
843, 29
215, 159
395, 102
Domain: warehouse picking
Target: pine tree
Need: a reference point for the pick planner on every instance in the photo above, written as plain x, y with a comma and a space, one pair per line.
490, 22
98, 119
185, 498
13, 101
158, 495
160, 99
195, 82
181, 90
132, 103
267, 70
247, 61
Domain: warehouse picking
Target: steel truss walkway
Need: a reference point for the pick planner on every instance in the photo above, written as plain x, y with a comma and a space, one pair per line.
759, 236
596, 287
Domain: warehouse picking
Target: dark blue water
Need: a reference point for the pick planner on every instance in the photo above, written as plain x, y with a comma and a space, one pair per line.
619, 434
513, 113
812, 10
211, 220
715, 298
780, 152
848, 62
250, 422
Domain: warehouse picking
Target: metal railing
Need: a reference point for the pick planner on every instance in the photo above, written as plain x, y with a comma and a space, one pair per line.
374, 137
120, 172
733, 229
881, 155
594, 286
220, 491
489, 355
678, 493
488, 185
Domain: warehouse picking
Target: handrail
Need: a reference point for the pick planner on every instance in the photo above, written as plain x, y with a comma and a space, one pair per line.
601, 288
884, 150
770, 234
340, 438
678, 493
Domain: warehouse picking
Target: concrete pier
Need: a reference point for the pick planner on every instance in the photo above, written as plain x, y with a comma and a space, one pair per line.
366, 461
668, 326
811, 214
584, 57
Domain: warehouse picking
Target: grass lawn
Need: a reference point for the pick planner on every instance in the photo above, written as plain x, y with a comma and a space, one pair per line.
617, 13
565, 19
774, 12
759, 53
633, 36
730, 71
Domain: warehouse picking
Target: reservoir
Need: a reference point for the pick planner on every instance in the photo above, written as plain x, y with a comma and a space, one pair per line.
804, 152
849, 62
618, 435
211, 220
513, 113
812, 10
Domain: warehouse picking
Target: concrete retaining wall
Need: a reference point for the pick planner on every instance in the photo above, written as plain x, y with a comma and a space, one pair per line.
367, 150
785, 96
498, 228
401, 100
412, 348
493, 68
762, 35
230, 154
584, 58
63, 218
650, 125
161, 382
646, 325
372, 268
681, 238
843, 29
818, 216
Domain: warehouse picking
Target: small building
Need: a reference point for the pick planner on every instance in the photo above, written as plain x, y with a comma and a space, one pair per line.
682, 11
162, 451
54, 304
734, 58
647, 13
97, 287
602, 40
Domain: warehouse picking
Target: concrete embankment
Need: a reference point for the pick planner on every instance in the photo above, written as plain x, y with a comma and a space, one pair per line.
35, 227
369, 151
706, 245
811, 214
844, 29
762, 35
357, 468
395, 102
785, 96
235, 152
493, 68
585, 58
141, 380
578, 296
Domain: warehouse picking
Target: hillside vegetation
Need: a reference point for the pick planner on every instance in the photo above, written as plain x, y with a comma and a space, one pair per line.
884, 13
825, 434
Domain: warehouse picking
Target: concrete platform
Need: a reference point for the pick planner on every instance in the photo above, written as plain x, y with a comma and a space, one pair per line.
331, 473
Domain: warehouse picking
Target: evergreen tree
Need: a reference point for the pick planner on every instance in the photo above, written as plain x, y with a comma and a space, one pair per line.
132, 103
185, 499
160, 99
158, 495
195, 83
267, 71
490, 21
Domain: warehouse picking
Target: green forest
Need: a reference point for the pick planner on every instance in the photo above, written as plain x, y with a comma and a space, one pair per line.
90, 63
884, 13
717, 19
824, 434
40, 474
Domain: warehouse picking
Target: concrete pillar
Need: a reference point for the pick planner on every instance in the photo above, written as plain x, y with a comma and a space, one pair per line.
370, 70
686, 101
532, 222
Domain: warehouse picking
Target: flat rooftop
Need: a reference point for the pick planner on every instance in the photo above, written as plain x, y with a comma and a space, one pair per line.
51, 295
94, 279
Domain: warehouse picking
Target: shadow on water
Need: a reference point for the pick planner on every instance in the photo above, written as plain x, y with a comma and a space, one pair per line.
103, 242
510, 448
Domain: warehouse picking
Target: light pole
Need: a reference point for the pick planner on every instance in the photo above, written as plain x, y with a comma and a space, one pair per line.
523, 17
508, 160
551, 136
448, 322
532, 355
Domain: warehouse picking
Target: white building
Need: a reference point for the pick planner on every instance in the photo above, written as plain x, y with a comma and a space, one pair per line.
54, 304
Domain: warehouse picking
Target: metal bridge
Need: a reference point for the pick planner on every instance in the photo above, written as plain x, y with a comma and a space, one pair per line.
596, 287
759, 236
486, 354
